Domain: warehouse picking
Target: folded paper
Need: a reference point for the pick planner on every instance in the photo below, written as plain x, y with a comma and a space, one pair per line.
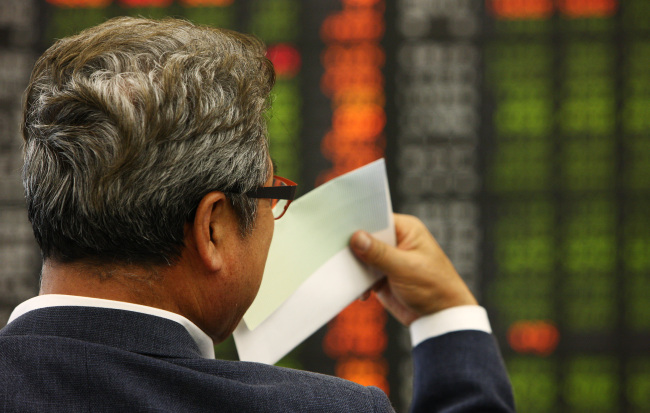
310, 274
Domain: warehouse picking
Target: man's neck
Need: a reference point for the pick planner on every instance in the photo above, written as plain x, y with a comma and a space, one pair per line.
184, 288
138, 285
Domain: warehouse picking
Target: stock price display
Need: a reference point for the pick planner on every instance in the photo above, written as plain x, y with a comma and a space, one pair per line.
517, 130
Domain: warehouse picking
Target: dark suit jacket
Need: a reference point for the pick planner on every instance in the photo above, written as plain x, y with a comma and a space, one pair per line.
69, 359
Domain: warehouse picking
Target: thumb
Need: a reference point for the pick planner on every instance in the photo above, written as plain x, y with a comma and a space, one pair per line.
375, 253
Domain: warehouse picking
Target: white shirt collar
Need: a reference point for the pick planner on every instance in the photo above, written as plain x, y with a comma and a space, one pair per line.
206, 346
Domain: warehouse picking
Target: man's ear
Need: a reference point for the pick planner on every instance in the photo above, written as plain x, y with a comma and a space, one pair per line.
209, 221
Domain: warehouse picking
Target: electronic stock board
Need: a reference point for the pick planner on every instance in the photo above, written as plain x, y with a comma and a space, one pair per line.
517, 130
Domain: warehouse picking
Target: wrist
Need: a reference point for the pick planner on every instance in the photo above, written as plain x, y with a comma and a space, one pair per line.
458, 298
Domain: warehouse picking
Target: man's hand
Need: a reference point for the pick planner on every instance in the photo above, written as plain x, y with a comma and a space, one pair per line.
420, 279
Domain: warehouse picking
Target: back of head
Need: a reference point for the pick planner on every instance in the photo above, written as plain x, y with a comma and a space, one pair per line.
129, 124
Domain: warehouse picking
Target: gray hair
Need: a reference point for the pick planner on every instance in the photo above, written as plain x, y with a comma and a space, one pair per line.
129, 124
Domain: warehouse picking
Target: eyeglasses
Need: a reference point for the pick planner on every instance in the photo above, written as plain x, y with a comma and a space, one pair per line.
281, 194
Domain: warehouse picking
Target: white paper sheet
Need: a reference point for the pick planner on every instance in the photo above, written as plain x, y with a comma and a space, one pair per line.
316, 227
330, 288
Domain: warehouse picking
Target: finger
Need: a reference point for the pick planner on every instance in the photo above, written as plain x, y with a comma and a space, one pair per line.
409, 231
377, 254
403, 314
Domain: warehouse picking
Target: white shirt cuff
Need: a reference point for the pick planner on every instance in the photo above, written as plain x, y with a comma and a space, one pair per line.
465, 317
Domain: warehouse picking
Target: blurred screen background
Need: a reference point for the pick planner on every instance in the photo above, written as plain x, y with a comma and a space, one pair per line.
517, 130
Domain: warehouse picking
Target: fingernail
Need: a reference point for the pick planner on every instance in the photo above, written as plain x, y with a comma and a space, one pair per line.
362, 242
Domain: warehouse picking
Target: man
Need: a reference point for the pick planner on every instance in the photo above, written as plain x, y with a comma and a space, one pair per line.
150, 191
